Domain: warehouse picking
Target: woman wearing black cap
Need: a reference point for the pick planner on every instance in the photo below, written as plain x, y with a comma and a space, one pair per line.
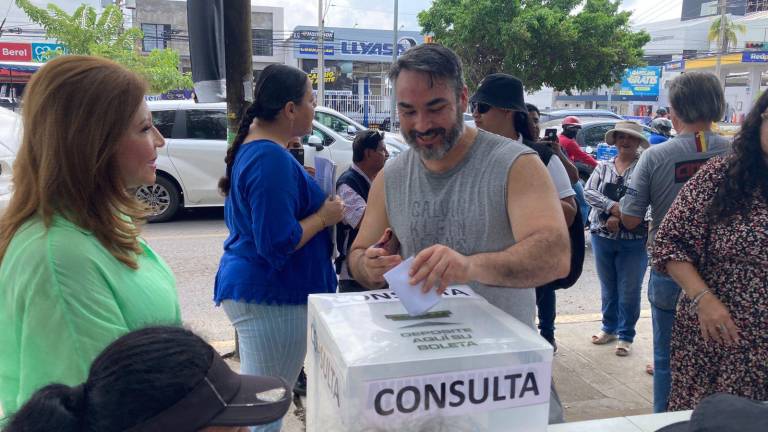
152, 380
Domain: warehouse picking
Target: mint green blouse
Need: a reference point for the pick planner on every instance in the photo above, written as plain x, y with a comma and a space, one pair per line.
64, 298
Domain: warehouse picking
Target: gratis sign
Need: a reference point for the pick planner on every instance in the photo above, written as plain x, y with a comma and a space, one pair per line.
641, 81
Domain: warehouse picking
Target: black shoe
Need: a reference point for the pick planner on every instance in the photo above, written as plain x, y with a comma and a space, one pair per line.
300, 389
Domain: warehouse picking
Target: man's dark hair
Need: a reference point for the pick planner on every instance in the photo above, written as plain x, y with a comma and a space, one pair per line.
434, 60
365, 140
532, 108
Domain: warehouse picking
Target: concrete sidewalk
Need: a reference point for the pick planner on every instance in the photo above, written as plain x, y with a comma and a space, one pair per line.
593, 383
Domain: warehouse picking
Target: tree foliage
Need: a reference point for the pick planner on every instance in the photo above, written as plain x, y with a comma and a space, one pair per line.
730, 33
542, 42
85, 32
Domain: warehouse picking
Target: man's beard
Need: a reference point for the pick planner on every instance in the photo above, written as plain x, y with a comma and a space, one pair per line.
437, 151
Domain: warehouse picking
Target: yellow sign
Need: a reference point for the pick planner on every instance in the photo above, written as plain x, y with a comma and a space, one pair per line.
330, 76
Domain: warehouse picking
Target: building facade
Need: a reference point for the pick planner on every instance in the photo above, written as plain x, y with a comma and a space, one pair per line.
164, 24
357, 63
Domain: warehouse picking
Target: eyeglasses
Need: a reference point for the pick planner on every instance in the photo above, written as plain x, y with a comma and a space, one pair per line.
480, 107
265, 398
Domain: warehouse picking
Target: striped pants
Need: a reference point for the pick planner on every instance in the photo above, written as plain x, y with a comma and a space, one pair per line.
273, 341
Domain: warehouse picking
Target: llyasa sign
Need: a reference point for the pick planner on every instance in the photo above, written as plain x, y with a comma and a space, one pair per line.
10, 51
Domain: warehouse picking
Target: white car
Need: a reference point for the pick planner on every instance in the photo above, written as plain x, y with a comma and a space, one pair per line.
344, 125
10, 140
192, 162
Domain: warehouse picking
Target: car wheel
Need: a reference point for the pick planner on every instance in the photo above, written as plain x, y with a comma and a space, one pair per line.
162, 198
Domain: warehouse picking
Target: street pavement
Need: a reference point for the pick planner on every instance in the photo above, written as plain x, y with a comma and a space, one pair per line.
592, 381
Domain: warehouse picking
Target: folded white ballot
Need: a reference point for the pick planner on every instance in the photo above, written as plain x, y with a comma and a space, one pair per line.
414, 300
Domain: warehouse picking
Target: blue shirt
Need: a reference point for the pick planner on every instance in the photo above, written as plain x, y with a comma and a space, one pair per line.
657, 139
270, 193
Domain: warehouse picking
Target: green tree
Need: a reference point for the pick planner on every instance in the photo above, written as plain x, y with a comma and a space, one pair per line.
730, 33
86, 32
542, 42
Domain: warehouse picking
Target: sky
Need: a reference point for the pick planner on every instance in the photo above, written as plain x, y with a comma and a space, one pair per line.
359, 13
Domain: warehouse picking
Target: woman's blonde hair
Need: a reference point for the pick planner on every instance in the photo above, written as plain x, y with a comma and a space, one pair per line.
75, 111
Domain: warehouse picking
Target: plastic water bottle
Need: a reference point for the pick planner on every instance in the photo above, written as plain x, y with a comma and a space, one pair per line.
606, 152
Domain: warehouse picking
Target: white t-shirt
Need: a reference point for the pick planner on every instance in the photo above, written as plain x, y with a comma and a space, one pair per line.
560, 177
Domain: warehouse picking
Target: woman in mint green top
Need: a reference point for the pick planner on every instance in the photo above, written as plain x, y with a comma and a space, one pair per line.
74, 274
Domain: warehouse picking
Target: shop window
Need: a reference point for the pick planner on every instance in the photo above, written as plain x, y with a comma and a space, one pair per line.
155, 36
261, 42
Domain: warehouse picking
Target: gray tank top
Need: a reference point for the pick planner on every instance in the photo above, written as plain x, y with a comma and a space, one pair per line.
464, 209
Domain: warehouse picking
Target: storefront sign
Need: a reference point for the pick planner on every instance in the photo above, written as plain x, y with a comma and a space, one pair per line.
311, 49
755, 57
675, 65
330, 76
642, 81
40, 51
355, 44
25, 52
312, 35
10, 51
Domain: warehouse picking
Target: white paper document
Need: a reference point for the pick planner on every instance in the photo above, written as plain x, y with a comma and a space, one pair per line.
325, 174
415, 301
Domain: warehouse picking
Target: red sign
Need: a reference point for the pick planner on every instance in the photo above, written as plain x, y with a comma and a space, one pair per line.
15, 51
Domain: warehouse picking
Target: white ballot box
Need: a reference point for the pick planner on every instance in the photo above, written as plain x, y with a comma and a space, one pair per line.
463, 366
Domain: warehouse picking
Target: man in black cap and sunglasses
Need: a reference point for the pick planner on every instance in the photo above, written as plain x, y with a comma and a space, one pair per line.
498, 106
368, 157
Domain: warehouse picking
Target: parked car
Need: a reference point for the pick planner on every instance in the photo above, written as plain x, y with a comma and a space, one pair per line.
593, 132
10, 140
344, 125
192, 161
557, 116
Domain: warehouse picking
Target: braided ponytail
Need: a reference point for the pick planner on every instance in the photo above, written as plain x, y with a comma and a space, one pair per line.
245, 124
277, 85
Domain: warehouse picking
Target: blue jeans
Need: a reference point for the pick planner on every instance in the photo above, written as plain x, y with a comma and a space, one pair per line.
545, 304
621, 267
581, 202
273, 341
663, 293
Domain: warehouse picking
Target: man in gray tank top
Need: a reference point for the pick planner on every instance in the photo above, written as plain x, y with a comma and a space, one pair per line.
471, 206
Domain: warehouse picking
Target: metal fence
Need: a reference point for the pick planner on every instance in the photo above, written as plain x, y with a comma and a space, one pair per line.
371, 111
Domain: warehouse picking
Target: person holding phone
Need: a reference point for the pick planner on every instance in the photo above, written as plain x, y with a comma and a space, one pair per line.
278, 250
619, 252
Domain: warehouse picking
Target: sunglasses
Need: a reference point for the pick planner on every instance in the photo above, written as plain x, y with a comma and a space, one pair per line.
480, 107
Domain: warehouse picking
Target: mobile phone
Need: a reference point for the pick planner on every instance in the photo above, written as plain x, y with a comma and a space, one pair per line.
550, 134
298, 153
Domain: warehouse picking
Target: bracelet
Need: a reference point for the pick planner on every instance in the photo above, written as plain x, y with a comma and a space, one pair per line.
695, 301
322, 221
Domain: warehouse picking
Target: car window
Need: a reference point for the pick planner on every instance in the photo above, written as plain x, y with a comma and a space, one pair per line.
206, 124
336, 123
596, 134
164, 121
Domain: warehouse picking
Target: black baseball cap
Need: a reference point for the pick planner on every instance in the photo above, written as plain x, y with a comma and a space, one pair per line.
224, 398
501, 91
723, 412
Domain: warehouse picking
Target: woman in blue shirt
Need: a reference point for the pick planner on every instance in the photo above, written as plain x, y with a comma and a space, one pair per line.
278, 250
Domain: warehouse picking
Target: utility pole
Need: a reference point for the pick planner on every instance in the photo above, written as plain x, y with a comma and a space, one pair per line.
721, 42
392, 99
320, 53
238, 61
